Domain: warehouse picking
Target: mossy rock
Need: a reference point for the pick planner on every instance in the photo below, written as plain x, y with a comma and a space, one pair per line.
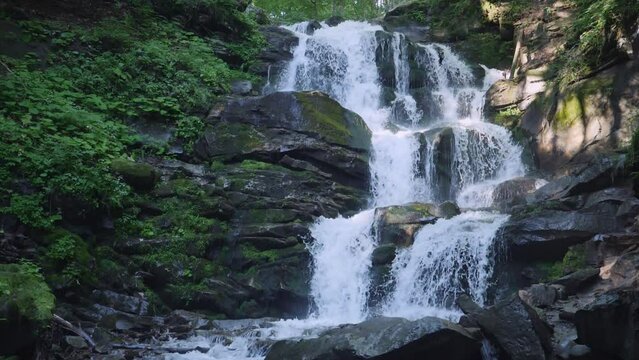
328, 118
26, 306
140, 176
67, 261
575, 103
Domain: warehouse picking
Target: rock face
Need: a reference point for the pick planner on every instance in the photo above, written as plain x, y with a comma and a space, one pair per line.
384, 338
513, 192
306, 131
513, 326
568, 126
609, 324
278, 51
568, 211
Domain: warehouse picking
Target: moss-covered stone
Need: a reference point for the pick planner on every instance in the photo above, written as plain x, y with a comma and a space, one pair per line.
140, 176
575, 103
26, 306
334, 123
67, 262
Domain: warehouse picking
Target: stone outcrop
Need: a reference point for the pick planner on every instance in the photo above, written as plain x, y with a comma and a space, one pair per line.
513, 326
384, 338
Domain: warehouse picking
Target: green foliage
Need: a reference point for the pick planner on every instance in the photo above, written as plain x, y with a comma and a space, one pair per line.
508, 117
23, 286
62, 124
299, 10
574, 259
67, 262
592, 38
488, 49
449, 14
29, 210
189, 129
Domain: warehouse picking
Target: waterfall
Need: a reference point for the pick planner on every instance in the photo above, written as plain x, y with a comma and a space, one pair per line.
448, 258
429, 144
451, 155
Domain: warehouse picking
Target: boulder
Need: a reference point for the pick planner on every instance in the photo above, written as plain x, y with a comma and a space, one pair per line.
410, 19
384, 338
383, 255
598, 174
140, 176
399, 224
334, 21
278, 51
539, 295
513, 192
284, 284
609, 325
513, 326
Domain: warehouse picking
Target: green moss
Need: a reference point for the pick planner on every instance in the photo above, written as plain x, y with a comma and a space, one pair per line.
133, 170
251, 253
234, 138
23, 286
264, 216
257, 165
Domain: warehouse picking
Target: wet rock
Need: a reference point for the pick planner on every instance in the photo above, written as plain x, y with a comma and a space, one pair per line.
121, 302
284, 284
222, 295
399, 224
545, 230
513, 326
409, 19
278, 51
539, 295
192, 321
577, 280
598, 174
513, 192
609, 324
383, 255
241, 87
334, 21
384, 338
76, 342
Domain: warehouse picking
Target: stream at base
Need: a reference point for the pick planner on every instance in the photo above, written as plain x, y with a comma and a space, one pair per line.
429, 144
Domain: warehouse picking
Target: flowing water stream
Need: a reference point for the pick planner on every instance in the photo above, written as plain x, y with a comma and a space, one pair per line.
429, 144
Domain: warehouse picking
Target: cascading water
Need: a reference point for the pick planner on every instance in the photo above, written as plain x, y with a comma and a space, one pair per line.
429, 144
